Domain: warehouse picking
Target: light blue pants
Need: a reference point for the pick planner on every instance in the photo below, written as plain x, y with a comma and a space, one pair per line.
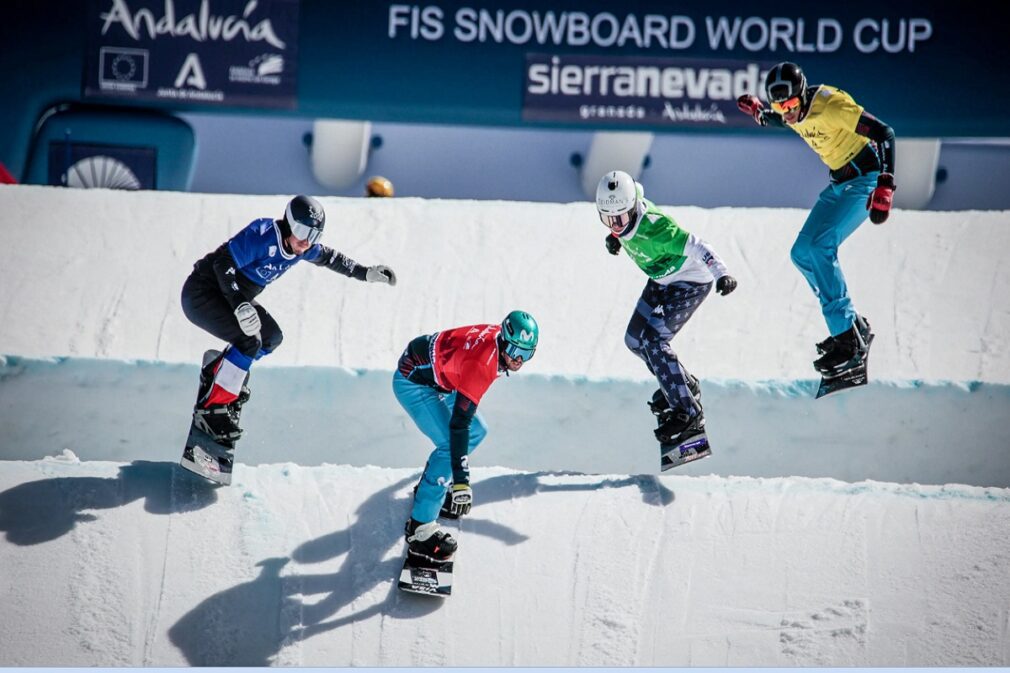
839, 211
431, 411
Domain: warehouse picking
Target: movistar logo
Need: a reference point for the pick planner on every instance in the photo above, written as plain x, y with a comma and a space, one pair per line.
525, 336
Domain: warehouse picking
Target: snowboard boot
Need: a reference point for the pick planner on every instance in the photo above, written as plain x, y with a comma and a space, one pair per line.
672, 423
845, 351
694, 385
659, 403
220, 422
211, 359
243, 397
677, 426
695, 426
862, 324
429, 541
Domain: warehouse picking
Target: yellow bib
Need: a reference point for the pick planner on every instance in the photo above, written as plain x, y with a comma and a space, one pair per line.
830, 127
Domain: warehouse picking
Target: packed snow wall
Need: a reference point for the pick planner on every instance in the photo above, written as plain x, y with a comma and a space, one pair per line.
101, 360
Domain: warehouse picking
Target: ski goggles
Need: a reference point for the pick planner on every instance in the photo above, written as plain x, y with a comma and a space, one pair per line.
787, 105
304, 232
517, 352
618, 223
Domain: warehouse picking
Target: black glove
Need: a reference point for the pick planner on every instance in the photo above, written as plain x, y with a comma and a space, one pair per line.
725, 285
613, 244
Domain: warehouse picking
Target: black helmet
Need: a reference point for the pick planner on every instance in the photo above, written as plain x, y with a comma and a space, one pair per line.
785, 81
305, 218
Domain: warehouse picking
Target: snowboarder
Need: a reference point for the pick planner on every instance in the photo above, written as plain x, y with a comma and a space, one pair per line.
681, 268
219, 296
439, 381
858, 149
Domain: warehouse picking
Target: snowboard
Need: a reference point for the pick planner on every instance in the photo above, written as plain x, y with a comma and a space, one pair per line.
421, 575
690, 450
203, 454
207, 457
852, 377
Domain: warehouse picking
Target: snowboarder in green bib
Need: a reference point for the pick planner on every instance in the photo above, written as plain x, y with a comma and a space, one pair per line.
681, 269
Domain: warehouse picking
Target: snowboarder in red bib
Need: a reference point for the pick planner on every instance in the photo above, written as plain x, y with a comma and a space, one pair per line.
439, 381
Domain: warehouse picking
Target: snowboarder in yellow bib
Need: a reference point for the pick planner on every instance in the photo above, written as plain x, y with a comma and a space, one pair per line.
858, 149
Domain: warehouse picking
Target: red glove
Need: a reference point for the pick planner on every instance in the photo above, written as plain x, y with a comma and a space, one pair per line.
752, 106
879, 202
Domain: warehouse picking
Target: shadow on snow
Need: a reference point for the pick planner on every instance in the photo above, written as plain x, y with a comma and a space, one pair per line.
248, 624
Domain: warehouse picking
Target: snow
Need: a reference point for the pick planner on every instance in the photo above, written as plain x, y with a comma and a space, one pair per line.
866, 529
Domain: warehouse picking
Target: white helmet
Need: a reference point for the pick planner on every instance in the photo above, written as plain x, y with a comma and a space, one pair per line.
617, 201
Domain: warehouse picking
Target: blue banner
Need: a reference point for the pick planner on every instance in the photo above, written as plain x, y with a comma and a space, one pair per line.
213, 52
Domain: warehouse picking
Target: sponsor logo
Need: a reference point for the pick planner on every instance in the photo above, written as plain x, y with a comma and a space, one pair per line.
191, 73
647, 90
264, 69
627, 79
199, 26
121, 69
693, 113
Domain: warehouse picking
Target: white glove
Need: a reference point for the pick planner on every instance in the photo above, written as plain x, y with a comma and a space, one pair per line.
380, 274
248, 319
462, 498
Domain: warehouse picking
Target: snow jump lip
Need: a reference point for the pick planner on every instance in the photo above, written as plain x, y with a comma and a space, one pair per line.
938, 432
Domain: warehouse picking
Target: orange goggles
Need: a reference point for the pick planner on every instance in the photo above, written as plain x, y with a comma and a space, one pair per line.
787, 105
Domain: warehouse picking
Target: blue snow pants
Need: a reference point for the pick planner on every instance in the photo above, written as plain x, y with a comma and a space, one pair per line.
661, 312
431, 411
839, 211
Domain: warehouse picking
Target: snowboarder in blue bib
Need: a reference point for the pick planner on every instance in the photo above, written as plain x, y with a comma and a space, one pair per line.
220, 297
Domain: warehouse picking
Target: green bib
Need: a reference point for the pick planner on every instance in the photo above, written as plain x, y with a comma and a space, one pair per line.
657, 246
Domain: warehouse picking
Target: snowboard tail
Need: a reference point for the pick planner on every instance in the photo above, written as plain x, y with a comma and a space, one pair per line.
691, 449
207, 457
422, 575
